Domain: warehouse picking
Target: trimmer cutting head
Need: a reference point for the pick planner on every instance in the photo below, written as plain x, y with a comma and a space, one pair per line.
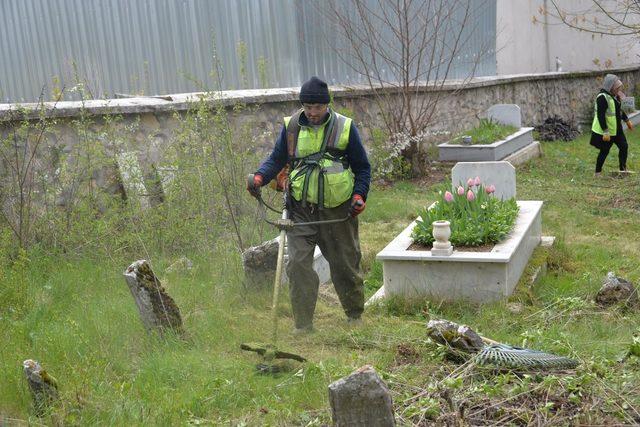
269, 355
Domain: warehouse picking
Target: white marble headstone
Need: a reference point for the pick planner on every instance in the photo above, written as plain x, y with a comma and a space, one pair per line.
500, 174
505, 114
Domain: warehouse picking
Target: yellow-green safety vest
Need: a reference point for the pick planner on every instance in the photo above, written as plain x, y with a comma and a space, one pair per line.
338, 179
610, 116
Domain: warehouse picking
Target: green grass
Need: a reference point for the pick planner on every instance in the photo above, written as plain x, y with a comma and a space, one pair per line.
487, 132
77, 318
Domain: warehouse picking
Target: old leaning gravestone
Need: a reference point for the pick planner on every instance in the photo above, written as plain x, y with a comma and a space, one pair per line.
43, 387
500, 174
361, 399
505, 114
158, 311
133, 179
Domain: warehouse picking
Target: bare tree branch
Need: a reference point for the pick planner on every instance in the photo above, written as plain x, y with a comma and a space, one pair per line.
615, 16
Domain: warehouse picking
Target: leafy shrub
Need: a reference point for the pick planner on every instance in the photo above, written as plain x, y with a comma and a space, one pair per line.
477, 217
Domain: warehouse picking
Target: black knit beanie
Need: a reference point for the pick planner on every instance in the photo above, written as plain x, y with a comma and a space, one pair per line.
314, 91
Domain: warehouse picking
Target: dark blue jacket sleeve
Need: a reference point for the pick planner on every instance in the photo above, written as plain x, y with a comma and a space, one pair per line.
357, 157
276, 161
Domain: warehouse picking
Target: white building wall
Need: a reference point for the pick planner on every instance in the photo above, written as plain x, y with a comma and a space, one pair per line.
528, 41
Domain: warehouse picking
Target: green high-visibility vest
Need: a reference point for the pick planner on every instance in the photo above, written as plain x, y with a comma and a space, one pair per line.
338, 179
610, 116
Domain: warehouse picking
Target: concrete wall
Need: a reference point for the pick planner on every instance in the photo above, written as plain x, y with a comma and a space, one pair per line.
155, 120
528, 41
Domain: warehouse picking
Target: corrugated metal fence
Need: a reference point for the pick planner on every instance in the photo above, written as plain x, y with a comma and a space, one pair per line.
167, 46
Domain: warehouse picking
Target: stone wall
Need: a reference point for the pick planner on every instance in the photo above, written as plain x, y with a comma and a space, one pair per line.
569, 95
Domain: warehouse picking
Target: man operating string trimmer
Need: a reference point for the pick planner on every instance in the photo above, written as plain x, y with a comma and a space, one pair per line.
328, 179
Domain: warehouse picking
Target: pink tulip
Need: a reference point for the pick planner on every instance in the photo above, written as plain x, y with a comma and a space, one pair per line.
471, 196
448, 196
476, 182
460, 191
490, 189
471, 182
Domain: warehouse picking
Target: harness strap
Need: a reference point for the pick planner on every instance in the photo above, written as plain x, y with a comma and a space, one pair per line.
311, 162
305, 186
329, 137
293, 130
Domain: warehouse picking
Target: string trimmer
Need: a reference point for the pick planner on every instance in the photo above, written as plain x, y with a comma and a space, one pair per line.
270, 352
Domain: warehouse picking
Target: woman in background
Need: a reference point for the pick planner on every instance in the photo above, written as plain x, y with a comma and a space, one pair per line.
606, 129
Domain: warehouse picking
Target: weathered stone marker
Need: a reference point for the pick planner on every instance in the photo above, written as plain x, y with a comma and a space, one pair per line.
43, 387
157, 309
133, 179
361, 399
616, 290
259, 263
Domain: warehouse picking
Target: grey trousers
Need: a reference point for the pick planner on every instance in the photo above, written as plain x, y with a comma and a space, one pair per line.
340, 245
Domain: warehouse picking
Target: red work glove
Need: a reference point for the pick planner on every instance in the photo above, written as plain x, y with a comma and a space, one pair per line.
357, 205
281, 180
254, 182
629, 125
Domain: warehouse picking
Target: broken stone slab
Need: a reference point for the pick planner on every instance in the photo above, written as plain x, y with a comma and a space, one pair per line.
153, 183
157, 309
43, 387
166, 174
133, 178
259, 264
459, 337
617, 290
361, 399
